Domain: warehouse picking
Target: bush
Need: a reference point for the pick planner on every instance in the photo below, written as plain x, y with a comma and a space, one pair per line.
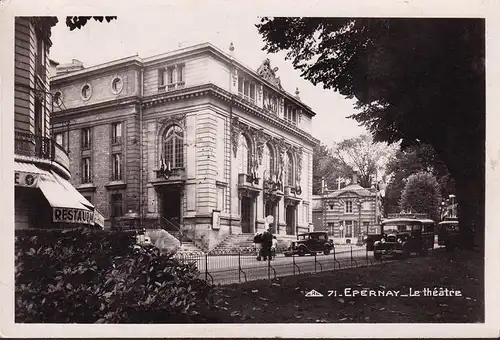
82, 276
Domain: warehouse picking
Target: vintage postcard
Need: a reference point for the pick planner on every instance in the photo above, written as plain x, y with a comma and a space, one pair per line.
244, 169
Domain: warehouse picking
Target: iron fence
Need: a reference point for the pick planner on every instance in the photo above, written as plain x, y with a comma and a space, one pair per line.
242, 266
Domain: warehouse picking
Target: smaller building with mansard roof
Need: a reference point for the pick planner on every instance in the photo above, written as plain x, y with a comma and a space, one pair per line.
347, 214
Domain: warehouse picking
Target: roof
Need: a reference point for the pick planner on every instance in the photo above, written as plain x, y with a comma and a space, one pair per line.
356, 188
407, 220
175, 53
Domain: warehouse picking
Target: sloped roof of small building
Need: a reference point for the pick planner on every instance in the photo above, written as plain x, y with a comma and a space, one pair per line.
356, 188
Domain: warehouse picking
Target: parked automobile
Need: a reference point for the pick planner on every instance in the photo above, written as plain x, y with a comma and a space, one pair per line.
310, 243
404, 236
142, 240
448, 234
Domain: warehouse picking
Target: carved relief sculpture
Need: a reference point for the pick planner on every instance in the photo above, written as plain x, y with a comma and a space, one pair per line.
235, 134
268, 73
298, 154
235, 76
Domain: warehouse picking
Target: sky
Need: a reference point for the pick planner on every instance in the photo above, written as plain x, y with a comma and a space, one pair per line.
158, 33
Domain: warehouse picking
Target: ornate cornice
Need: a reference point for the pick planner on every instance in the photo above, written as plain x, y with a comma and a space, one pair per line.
215, 91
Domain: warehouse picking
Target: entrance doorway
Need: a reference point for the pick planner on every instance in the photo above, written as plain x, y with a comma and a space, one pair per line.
270, 209
171, 204
246, 215
290, 220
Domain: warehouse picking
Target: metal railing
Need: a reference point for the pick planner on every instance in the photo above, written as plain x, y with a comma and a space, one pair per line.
31, 145
242, 266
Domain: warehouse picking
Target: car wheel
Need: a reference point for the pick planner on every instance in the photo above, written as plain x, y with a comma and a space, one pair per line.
327, 251
377, 256
301, 252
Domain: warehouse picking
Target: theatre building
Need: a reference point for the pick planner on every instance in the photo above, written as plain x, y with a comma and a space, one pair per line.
44, 197
190, 141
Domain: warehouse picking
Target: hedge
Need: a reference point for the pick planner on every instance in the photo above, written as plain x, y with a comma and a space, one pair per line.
83, 276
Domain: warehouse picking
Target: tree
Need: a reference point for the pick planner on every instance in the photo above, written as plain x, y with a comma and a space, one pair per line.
79, 22
410, 161
324, 166
415, 81
422, 195
361, 154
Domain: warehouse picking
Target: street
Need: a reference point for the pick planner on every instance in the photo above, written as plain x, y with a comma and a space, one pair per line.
225, 269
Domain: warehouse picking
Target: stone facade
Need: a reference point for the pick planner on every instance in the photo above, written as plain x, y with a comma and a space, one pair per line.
207, 146
347, 214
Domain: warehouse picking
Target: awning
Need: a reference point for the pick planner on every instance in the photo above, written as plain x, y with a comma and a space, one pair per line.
27, 174
66, 207
72, 191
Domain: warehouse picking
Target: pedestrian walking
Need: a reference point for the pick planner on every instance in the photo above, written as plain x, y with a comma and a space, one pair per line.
267, 242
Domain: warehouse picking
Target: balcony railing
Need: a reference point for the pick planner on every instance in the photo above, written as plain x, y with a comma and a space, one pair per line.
171, 87
30, 145
172, 174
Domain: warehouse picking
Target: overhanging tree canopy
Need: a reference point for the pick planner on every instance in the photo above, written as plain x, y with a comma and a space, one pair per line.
415, 81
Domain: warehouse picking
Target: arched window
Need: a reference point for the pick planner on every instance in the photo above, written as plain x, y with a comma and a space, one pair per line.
290, 170
268, 161
173, 147
244, 163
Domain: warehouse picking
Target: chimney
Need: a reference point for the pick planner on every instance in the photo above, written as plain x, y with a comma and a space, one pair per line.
354, 177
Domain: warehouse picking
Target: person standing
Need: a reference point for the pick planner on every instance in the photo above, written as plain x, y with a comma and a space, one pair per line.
274, 247
267, 242
257, 241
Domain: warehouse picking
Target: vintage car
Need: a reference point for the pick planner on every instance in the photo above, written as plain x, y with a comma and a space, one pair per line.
404, 236
448, 234
310, 243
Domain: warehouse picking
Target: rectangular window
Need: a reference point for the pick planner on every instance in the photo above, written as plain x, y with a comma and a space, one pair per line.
162, 75
252, 91
265, 99
86, 170
246, 88
117, 167
180, 74
240, 84
348, 207
116, 205
40, 57
179, 153
348, 228
116, 133
170, 75
86, 138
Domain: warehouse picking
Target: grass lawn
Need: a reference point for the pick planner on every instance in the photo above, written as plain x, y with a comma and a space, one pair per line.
284, 301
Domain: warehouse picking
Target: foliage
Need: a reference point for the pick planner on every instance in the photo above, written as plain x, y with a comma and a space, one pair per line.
79, 21
80, 276
410, 161
422, 195
415, 81
361, 154
324, 166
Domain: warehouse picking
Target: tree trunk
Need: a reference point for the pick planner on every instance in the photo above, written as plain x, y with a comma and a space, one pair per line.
470, 196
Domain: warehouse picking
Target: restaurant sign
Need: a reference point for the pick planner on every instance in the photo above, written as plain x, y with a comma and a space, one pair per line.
67, 215
25, 179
